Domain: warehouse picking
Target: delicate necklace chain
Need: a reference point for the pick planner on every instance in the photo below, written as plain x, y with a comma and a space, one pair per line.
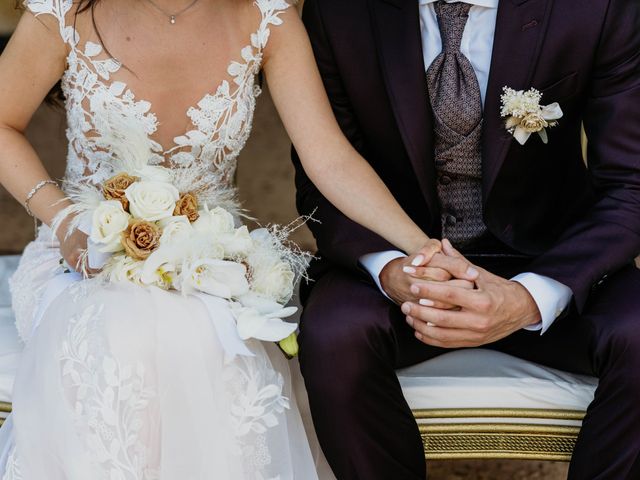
172, 16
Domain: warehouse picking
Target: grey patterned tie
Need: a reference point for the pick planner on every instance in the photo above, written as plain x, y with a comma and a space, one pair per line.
457, 107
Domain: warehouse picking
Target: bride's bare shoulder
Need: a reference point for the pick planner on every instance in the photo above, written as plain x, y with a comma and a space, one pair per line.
288, 30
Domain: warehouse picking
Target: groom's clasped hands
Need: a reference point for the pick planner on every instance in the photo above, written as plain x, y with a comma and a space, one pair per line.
451, 303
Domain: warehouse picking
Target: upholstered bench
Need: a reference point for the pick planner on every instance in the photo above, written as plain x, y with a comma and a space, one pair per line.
469, 404
483, 404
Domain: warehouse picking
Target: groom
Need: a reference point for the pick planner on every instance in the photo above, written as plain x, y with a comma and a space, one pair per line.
549, 243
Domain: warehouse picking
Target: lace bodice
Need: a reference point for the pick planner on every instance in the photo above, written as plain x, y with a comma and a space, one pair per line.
103, 112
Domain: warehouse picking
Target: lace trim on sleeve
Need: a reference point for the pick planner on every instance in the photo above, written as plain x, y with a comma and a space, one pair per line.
58, 9
271, 10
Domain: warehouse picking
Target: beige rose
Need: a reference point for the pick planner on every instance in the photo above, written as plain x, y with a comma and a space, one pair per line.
141, 239
187, 205
533, 122
113, 189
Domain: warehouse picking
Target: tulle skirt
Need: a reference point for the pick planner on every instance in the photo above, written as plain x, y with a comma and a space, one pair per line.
124, 382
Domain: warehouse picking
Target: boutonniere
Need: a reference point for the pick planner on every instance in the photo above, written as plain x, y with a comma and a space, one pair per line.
524, 114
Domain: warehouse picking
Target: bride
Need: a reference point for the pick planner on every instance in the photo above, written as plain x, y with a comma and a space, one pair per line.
128, 382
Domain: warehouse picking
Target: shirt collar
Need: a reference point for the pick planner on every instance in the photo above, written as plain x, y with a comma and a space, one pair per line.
479, 3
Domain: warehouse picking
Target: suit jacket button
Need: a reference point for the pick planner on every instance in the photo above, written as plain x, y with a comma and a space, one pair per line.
450, 220
444, 180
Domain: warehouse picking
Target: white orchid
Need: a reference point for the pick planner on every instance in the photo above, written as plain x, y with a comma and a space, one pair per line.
525, 116
219, 278
162, 267
267, 327
264, 305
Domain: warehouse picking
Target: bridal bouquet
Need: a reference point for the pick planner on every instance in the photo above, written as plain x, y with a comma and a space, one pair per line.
175, 229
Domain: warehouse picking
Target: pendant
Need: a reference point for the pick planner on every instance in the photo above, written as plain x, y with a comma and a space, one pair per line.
172, 20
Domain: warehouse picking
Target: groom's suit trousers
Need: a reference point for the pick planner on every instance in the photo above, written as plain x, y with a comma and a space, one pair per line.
353, 340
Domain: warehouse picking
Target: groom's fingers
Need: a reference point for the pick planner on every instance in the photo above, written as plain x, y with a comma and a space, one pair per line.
449, 294
420, 317
449, 338
458, 267
428, 273
414, 295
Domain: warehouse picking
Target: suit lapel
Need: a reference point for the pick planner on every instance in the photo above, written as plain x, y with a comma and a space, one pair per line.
520, 31
396, 24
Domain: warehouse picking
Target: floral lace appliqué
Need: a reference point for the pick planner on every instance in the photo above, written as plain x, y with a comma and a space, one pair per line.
108, 398
12, 469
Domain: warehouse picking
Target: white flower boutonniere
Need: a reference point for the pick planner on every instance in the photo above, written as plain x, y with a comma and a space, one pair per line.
525, 115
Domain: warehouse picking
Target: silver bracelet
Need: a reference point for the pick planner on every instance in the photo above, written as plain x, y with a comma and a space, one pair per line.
35, 190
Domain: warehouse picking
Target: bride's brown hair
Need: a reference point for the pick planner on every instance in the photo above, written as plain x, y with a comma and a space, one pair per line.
55, 97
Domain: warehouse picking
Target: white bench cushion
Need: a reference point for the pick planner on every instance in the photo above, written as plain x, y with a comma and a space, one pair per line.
482, 379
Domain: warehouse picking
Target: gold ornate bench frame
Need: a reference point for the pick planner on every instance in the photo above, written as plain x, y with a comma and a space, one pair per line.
504, 433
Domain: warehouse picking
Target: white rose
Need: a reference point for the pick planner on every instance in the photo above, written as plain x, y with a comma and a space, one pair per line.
108, 222
266, 327
219, 278
152, 201
175, 230
215, 222
237, 244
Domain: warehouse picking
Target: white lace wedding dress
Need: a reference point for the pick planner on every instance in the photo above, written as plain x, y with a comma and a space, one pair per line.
123, 382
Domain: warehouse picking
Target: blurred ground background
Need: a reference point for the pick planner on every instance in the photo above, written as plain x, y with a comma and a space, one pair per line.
266, 184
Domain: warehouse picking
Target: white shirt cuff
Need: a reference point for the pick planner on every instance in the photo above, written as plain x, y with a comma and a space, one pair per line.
373, 263
551, 296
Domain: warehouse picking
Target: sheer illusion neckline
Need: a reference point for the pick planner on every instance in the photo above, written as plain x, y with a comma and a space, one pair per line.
233, 65
185, 114
104, 114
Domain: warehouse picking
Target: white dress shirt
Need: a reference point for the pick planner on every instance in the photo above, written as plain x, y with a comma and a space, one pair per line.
551, 296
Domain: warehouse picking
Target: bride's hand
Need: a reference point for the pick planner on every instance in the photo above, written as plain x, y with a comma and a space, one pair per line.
418, 264
72, 248
73, 245
423, 256
432, 259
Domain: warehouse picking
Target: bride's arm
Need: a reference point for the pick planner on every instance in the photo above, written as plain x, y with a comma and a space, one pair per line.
33, 61
334, 166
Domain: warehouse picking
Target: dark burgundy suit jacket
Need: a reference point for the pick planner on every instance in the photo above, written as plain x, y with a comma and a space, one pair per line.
578, 224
